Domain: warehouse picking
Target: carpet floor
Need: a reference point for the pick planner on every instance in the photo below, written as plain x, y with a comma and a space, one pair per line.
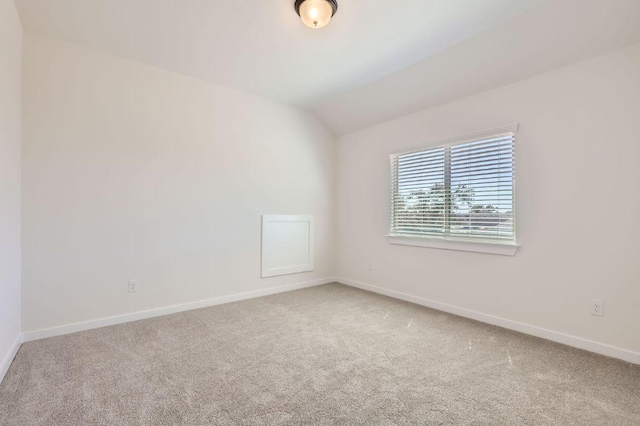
328, 355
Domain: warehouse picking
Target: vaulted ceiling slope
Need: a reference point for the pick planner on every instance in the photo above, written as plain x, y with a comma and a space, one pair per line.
561, 33
377, 60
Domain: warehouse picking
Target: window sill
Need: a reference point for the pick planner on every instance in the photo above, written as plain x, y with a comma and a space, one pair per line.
504, 249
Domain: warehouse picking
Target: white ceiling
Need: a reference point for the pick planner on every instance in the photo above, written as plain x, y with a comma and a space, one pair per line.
376, 60
561, 33
261, 46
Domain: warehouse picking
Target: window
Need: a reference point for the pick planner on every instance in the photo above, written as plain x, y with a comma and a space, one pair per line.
459, 191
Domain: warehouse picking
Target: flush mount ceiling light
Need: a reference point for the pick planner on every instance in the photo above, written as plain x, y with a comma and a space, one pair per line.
316, 13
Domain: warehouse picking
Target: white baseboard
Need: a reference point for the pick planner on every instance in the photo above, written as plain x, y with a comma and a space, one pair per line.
9, 356
576, 342
136, 316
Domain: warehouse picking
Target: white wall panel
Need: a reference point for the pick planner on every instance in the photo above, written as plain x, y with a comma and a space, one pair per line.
287, 244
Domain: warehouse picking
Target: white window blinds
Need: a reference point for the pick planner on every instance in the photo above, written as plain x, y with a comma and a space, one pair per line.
463, 190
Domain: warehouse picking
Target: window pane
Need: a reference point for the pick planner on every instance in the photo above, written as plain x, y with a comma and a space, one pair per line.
482, 189
419, 205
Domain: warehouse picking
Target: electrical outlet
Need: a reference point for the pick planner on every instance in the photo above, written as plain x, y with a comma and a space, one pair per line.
596, 307
370, 266
133, 286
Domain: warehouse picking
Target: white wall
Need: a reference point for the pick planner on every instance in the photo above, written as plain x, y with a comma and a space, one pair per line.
578, 204
10, 124
132, 172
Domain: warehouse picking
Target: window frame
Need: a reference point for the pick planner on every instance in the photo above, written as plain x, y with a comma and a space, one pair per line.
448, 242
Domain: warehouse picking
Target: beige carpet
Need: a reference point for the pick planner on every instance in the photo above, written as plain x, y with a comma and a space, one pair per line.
328, 355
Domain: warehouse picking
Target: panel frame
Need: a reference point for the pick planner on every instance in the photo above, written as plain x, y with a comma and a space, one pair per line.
268, 272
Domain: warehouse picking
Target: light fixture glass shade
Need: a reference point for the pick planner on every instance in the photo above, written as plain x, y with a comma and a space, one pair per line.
316, 13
